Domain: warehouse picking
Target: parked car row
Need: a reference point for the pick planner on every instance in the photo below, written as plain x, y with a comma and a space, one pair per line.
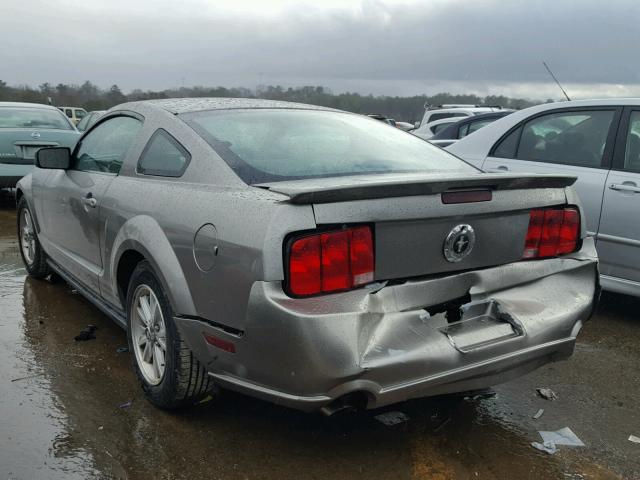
417, 272
436, 119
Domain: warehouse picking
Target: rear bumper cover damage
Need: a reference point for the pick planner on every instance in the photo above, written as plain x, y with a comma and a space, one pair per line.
382, 343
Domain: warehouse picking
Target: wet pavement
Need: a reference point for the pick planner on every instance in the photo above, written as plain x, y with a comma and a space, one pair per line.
61, 415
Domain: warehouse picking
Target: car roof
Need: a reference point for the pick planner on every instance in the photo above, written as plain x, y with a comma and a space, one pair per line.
27, 105
179, 106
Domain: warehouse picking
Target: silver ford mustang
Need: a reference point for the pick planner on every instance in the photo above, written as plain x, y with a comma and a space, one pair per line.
311, 257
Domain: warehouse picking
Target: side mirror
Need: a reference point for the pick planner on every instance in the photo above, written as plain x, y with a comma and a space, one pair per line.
54, 157
416, 124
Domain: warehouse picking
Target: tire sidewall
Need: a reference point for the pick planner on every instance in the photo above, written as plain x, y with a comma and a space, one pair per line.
163, 392
37, 268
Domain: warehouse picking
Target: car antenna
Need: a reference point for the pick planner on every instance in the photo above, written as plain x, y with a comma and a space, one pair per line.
554, 77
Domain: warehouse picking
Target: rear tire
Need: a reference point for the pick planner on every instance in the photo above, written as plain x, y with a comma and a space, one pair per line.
171, 377
33, 256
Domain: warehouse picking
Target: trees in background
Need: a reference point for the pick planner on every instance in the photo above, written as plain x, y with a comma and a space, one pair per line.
92, 97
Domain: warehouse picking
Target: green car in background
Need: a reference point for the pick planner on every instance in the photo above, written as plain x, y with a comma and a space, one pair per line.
25, 128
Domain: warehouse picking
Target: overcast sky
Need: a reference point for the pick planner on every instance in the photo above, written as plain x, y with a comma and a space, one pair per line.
400, 47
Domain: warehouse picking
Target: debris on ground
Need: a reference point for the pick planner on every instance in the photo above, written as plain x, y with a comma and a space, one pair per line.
126, 404
538, 414
479, 394
391, 418
206, 399
547, 393
442, 425
122, 349
488, 393
37, 375
547, 447
574, 476
86, 334
101, 427
634, 439
564, 436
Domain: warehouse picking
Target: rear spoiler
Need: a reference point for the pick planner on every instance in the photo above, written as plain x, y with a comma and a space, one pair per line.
343, 189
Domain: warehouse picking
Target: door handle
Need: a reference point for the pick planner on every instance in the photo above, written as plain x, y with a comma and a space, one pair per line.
625, 187
90, 201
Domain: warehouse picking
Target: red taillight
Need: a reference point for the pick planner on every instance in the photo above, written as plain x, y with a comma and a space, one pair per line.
552, 231
331, 261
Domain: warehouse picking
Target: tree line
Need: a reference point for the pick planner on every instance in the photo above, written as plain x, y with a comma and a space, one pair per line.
92, 97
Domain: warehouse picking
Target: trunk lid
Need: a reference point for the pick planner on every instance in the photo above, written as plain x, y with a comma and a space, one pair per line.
18, 145
413, 226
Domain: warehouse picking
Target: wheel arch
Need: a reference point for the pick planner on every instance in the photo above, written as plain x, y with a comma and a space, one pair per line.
23, 190
142, 239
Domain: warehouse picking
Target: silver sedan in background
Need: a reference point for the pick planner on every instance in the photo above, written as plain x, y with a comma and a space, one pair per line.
597, 141
307, 256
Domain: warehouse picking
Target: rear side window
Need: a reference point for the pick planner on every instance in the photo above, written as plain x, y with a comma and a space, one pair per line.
441, 126
11, 117
270, 145
479, 124
571, 138
440, 116
104, 148
163, 156
508, 146
632, 150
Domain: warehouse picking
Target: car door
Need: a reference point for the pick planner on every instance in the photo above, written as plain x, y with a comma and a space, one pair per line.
576, 142
619, 234
69, 201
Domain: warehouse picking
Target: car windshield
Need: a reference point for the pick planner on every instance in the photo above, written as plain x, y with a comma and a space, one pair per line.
267, 145
33, 118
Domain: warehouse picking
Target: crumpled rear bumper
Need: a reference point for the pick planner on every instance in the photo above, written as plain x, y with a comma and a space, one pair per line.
381, 343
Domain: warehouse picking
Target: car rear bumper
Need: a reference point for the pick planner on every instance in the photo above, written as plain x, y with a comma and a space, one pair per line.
10, 174
380, 343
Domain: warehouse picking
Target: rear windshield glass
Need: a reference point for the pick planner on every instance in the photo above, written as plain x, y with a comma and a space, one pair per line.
33, 118
268, 145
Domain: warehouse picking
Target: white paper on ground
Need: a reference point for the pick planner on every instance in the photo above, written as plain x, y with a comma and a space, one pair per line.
548, 447
634, 439
564, 436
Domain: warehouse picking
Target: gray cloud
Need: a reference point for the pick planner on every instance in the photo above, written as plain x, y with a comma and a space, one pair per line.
484, 46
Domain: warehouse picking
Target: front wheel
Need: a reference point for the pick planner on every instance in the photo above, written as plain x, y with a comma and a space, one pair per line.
169, 373
33, 256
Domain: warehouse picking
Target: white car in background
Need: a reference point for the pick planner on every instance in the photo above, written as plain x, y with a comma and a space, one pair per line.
597, 141
441, 112
427, 131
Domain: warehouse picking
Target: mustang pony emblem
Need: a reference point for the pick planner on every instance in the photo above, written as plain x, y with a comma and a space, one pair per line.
459, 243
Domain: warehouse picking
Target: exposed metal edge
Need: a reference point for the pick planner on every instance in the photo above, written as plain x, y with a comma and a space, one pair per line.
230, 330
275, 396
109, 311
320, 192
